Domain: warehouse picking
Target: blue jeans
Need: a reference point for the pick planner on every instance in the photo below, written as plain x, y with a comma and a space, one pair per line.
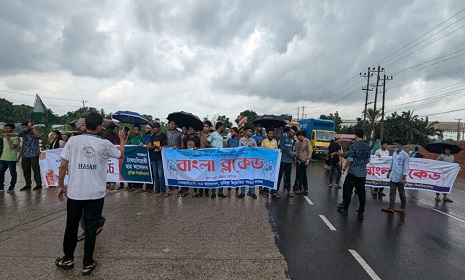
252, 190
159, 177
4, 165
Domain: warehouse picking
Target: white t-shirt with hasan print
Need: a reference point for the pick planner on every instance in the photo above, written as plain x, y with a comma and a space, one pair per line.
87, 155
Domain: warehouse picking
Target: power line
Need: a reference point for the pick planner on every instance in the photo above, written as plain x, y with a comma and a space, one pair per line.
42, 96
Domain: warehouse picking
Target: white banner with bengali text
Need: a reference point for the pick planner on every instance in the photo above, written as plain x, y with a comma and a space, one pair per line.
424, 174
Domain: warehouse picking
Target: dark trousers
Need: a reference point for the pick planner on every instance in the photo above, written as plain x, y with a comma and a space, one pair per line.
392, 194
336, 167
92, 213
301, 177
350, 182
31, 163
4, 165
285, 169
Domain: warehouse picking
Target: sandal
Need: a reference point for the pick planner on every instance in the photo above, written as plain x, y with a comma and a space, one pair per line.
61, 263
81, 237
87, 270
265, 195
167, 194
275, 196
98, 231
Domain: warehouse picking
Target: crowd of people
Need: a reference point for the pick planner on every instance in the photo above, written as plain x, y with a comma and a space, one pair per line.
87, 172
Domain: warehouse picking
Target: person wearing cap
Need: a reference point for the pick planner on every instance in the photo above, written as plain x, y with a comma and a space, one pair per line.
269, 143
286, 145
233, 142
303, 154
190, 141
335, 162
157, 143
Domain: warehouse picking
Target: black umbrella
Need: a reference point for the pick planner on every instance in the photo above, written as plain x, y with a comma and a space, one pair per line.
129, 117
438, 147
186, 119
272, 121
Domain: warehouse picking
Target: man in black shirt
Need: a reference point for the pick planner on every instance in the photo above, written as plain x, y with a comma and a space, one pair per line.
158, 142
334, 161
190, 141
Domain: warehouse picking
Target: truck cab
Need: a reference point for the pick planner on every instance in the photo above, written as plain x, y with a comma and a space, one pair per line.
320, 133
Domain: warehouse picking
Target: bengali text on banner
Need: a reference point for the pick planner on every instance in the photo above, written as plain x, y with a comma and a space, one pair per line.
217, 168
424, 174
134, 168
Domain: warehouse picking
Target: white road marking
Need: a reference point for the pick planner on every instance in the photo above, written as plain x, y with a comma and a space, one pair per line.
328, 223
308, 200
449, 215
364, 264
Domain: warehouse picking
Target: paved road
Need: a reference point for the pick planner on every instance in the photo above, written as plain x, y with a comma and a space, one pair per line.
148, 237
428, 242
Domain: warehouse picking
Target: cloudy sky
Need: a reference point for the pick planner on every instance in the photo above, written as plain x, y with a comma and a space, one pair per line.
223, 57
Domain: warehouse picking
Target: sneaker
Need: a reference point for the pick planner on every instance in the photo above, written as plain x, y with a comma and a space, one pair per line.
381, 194
343, 211
387, 209
2, 189
360, 216
221, 195
241, 195
213, 195
25, 188
254, 196
340, 205
10, 191
446, 199
400, 210
330, 185
37, 188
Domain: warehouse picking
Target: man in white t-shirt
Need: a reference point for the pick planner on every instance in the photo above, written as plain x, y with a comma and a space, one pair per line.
85, 159
381, 152
447, 157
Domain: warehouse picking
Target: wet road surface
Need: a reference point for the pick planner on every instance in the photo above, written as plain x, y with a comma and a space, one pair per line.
428, 242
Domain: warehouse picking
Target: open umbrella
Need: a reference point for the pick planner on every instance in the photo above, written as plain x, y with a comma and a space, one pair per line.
186, 119
272, 121
73, 123
111, 123
438, 147
129, 117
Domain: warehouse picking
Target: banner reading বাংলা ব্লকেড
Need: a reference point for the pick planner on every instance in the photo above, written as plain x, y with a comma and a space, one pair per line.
423, 174
218, 168
134, 168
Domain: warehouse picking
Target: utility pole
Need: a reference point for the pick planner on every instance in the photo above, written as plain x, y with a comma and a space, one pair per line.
84, 103
376, 98
366, 89
458, 129
298, 110
303, 109
384, 98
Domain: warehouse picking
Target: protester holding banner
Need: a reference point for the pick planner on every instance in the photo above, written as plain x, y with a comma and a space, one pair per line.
205, 144
190, 141
446, 157
381, 152
158, 142
286, 145
247, 141
135, 139
398, 175
9, 157
146, 139
270, 143
233, 142
85, 160
216, 141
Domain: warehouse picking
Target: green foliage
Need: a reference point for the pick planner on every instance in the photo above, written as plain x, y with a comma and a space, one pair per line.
225, 120
14, 113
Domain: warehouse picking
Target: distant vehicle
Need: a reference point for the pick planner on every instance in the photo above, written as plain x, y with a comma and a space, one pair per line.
320, 132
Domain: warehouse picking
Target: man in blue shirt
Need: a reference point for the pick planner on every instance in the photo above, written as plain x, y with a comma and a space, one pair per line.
286, 145
358, 157
216, 141
398, 174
